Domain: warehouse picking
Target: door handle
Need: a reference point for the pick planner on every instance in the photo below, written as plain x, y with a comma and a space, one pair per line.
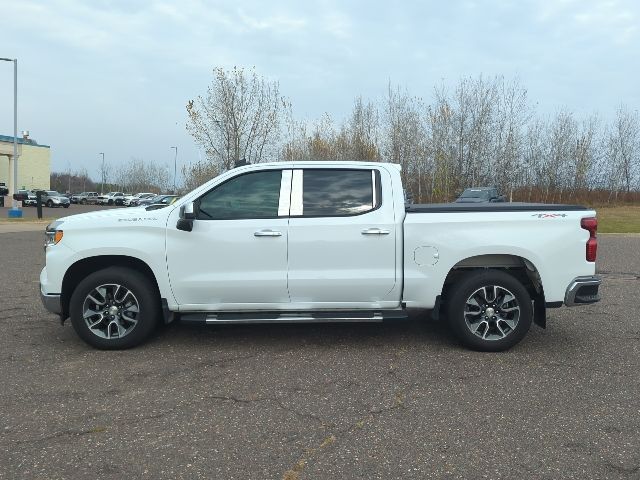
375, 231
267, 233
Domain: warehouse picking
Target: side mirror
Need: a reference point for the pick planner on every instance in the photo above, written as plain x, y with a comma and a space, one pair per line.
187, 216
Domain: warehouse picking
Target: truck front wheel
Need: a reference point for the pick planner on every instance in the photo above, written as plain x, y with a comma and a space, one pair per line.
114, 308
489, 310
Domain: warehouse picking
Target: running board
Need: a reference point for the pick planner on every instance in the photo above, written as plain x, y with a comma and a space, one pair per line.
364, 316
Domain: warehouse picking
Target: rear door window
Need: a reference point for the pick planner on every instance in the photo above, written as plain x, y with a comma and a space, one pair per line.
338, 192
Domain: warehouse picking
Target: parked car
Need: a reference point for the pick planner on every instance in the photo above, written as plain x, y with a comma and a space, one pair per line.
111, 198
3, 189
51, 198
85, 198
27, 197
480, 195
133, 200
318, 242
162, 200
119, 200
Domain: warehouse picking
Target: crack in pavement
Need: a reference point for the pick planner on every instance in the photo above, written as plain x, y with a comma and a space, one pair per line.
297, 468
98, 429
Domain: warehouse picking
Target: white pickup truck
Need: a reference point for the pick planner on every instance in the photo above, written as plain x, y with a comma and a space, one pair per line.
318, 242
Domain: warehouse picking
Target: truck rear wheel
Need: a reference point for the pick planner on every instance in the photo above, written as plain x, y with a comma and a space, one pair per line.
114, 308
489, 310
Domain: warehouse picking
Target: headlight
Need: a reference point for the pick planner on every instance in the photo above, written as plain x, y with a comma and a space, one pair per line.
53, 234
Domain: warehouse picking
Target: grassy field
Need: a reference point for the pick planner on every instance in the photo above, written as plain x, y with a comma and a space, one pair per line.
619, 219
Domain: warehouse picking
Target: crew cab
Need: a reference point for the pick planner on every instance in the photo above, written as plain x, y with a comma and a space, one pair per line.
318, 242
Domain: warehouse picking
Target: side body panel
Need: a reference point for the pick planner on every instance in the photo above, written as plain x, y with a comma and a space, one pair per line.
553, 242
127, 232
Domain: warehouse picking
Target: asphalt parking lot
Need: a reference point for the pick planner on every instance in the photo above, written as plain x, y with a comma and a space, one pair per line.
321, 401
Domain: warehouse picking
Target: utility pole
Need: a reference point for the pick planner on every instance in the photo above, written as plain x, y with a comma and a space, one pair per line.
175, 169
102, 174
13, 186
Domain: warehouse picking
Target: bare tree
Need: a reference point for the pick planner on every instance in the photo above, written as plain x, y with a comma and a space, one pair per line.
198, 173
623, 151
238, 118
404, 138
105, 175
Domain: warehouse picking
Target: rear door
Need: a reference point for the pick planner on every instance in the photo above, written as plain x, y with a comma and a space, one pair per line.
342, 239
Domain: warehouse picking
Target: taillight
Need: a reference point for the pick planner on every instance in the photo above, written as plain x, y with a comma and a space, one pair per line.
591, 224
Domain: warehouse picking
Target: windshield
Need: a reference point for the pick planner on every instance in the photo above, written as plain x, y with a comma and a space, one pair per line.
475, 193
53, 193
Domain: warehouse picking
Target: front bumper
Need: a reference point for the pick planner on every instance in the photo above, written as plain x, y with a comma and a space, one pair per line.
52, 303
582, 291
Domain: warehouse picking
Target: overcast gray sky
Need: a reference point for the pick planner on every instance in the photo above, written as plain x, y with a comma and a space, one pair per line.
114, 76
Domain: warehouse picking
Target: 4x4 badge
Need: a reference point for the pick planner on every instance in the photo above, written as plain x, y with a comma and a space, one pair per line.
549, 215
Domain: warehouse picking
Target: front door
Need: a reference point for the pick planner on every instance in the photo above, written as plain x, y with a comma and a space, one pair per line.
236, 255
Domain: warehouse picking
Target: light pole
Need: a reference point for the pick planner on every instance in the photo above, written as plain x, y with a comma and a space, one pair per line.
14, 184
102, 174
175, 169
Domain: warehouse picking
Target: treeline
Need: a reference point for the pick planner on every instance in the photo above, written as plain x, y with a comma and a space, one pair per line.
135, 176
482, 132
72, 182
141, 176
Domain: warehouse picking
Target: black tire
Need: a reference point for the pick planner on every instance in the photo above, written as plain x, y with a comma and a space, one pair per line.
83, 201
142, 289
49, 204
66, 205
457, 307
110, 202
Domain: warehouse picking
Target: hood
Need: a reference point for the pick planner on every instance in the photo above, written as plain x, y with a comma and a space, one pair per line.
117, 215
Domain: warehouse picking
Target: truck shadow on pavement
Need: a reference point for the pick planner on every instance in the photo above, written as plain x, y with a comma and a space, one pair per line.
414, 330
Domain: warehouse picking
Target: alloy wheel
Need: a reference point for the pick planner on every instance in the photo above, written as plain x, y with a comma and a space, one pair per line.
492, 312
111, 311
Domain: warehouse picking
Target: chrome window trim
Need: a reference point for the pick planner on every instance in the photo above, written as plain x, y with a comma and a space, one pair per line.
296, 193
375, 189
284, 203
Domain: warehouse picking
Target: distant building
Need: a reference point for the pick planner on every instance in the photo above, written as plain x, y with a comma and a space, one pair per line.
34, 162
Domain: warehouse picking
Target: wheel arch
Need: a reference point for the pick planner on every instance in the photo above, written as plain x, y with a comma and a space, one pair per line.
521, 268
80, 269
